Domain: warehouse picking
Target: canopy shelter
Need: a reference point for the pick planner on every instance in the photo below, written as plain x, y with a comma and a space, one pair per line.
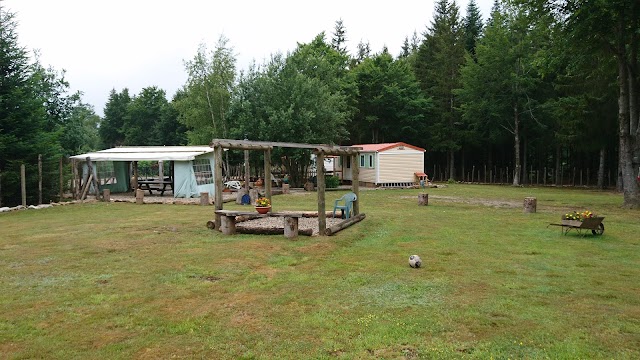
320, 150
191, 167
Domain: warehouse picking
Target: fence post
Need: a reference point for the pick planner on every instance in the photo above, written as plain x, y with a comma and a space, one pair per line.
39, 179
23, 185
61, 181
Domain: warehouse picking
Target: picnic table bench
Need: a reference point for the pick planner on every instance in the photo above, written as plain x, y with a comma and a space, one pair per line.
594, 224
157, 185
228, 220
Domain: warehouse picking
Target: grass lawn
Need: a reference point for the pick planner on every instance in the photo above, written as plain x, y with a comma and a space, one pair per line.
125, 281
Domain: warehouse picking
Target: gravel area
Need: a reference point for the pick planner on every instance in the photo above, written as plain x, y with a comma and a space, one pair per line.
278, 222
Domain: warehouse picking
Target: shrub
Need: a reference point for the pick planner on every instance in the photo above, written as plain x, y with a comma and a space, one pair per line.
332, 182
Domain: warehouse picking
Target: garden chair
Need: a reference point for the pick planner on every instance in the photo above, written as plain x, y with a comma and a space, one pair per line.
347, 208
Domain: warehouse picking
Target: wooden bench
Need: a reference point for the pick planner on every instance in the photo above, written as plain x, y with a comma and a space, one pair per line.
228, 221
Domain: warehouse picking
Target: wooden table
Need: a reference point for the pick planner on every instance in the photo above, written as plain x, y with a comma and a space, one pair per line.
157, 185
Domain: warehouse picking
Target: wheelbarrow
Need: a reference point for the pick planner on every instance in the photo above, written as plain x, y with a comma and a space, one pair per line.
594, 224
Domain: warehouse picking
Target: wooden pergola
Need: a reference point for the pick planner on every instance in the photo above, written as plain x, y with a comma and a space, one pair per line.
320, 150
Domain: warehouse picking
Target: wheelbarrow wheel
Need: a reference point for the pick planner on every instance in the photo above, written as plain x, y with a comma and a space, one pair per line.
599, 230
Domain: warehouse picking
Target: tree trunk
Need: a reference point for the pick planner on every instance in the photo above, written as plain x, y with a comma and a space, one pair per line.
452, 170
603, 153
516, 145
558, 162
525, 177
631, 194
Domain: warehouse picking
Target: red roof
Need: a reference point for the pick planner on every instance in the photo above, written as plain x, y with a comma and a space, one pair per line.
386, 146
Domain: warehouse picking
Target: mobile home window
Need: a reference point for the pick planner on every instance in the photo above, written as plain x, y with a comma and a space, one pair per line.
361, 160
348, 162
371, 161
106, 172
202, 171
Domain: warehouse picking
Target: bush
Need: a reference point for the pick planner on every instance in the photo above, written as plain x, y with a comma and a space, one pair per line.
332, 182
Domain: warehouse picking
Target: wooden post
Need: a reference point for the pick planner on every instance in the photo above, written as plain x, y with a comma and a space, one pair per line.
92, 171
139, 196
39, 179
355, 175
247, 171
85, 187
267, 175
204, 198
322, 216
160, 170
23, 184
75, 183
217, 176
530, 204
61, 182
135, 176
290, 227
423, 199
227, 224
106, 195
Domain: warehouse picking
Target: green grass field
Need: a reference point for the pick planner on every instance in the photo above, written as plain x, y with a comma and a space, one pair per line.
125, 281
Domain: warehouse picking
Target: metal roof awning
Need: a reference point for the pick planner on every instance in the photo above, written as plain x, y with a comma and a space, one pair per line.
147, 153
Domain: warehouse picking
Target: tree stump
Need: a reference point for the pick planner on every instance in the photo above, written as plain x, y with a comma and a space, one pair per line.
423, 199
106, 195
204, 198
290, 227
228, 225
308, 186
530, 204
285, 188
253, 194
139, 196
242, 192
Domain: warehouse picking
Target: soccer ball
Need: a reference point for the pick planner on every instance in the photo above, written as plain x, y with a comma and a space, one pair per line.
415, 261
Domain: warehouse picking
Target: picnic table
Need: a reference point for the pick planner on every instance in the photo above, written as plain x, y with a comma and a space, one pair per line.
155, 184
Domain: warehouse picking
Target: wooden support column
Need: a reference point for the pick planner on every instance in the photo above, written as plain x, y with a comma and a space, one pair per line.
355, 182
267, 174
135, 176
217, 178
322, 215
247, 171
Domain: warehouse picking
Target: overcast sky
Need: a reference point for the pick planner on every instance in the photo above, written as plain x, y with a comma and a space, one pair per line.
133, 44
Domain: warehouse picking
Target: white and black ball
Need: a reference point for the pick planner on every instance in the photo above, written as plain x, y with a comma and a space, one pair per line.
415, 261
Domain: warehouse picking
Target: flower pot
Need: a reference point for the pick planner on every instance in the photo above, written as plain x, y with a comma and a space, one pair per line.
263, 209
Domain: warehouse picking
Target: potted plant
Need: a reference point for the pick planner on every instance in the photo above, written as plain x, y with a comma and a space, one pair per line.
263, 205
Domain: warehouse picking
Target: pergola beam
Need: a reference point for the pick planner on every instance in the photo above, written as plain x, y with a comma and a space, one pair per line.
264, 145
